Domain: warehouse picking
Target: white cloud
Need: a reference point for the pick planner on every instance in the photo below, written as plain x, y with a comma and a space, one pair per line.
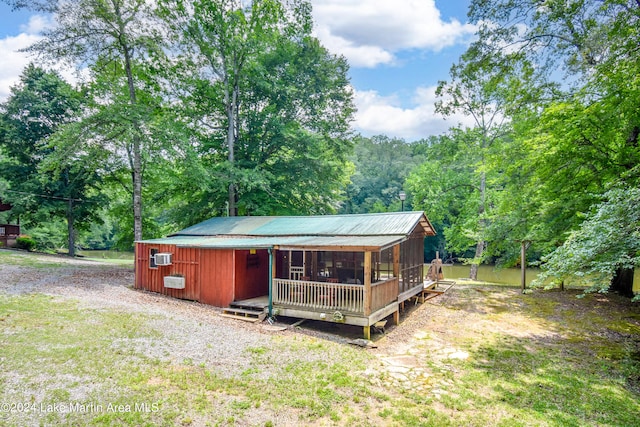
383, 115
368, 33
36, 24
13, 62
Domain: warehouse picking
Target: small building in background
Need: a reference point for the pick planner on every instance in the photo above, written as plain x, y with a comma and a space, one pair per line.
8, 232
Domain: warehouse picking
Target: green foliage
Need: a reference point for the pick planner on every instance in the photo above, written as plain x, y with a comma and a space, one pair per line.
382, 165
554, 93
607, 240
25, 242
265, 111
448, 187
51, 236
49, 180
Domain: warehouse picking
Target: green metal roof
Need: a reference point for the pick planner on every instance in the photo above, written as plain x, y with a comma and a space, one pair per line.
284, 242
334, 232
381, 224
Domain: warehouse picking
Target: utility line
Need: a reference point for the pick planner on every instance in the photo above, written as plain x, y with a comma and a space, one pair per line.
45, 196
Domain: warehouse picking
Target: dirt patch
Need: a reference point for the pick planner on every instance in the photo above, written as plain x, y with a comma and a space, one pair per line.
434, 335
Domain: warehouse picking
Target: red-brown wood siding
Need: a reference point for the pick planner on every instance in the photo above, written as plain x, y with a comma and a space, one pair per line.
212, 276
185, 262
217, 277
8, 234
252, 274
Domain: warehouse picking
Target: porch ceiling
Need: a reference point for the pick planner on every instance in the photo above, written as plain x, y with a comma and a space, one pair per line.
317, 243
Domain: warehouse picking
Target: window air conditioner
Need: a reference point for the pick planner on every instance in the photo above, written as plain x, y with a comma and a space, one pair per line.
163, 259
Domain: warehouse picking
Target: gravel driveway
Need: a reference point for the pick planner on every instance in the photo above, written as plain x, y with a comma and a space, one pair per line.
191, 330
196, 332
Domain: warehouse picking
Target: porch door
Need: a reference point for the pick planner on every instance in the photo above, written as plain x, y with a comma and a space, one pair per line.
297, 265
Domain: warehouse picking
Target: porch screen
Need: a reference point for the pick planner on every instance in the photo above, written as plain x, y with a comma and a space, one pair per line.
411, 262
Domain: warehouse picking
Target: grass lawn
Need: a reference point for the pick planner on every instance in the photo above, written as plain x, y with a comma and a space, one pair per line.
475, 356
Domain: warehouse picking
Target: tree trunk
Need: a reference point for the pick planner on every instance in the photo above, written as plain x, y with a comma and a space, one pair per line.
136, 167
231, 100
473, 273
622, 282
137, 191
70, 229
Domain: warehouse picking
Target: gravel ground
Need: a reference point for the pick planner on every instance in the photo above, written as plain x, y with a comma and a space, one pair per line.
409, 357
189, 328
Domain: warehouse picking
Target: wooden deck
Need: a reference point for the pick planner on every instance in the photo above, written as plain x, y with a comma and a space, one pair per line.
336, 302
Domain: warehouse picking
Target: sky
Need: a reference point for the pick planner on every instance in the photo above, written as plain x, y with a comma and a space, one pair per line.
397, 50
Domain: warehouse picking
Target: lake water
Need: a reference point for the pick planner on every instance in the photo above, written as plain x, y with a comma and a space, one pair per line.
509, 276
107, 255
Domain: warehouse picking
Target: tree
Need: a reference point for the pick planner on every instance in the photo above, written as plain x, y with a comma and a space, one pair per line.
45, 179
445, 186
606, 243
584, 142
475, 89
116, 36
226, 36
382, 166
266, 105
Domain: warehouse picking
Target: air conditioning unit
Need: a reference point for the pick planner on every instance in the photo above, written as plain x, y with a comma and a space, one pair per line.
163, 259
174, 282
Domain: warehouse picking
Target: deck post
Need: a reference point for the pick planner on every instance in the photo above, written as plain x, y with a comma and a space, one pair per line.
396, 261
367, 332
367, 283
271, 277
396, 317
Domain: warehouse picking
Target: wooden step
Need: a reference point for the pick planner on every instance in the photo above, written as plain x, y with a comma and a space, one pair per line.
244, 314
429, 293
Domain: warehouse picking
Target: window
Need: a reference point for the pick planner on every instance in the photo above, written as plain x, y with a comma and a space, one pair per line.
152, 258
253, 260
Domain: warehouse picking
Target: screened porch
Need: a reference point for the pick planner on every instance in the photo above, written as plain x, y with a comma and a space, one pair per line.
354, 287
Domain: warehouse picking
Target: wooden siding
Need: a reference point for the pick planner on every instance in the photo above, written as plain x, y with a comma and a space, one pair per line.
185, 262
217, 277
382, 293
208, 273
8, 234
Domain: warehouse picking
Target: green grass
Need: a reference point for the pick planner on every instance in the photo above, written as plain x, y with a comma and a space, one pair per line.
57, 353
10, 257
43, 261
576, 363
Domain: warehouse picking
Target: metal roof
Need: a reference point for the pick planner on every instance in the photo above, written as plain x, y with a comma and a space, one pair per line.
335, 243
327, 232
380, 224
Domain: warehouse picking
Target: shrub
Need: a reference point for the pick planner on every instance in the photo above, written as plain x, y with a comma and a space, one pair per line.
25, 242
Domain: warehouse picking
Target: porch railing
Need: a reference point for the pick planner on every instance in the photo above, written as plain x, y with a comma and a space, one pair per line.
323, 296
318, 295
382, 293
411, 277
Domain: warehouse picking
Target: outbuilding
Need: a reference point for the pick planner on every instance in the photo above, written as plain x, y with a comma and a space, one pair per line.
354, 269
8, 232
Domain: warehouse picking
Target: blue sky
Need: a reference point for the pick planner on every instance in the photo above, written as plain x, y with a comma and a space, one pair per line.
398, 51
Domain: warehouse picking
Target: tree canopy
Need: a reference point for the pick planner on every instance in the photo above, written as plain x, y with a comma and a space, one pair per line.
206, 108
219, 107
566, 77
